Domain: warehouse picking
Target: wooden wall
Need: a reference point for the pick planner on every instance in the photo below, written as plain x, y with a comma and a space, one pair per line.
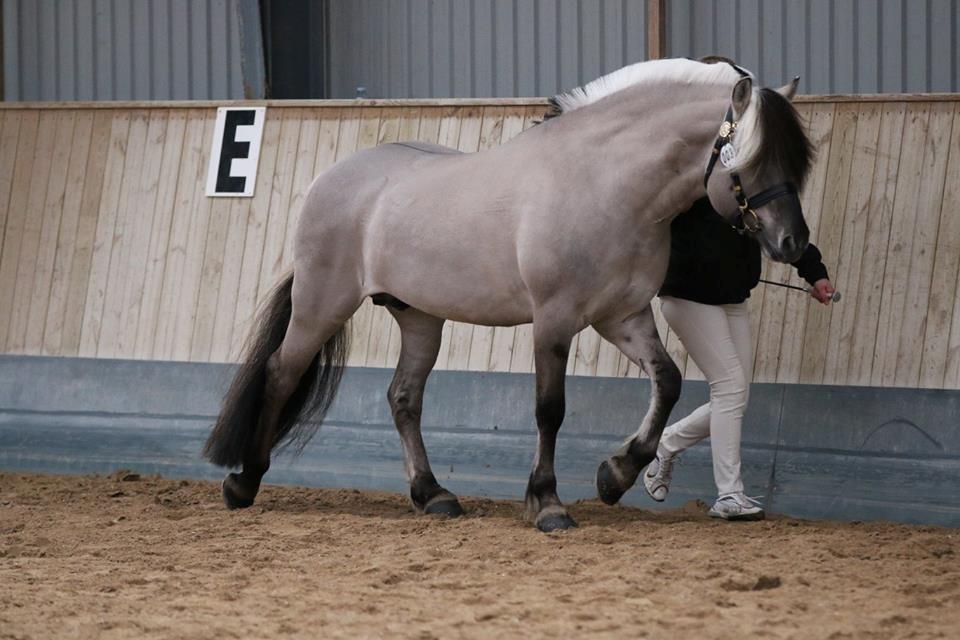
110, 248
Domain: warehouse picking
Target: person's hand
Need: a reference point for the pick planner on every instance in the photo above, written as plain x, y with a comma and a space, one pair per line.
823, 291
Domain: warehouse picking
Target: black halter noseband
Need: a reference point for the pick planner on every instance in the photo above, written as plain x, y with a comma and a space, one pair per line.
746, 205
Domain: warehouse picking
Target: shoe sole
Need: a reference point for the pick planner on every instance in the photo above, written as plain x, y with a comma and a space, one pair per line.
743, 517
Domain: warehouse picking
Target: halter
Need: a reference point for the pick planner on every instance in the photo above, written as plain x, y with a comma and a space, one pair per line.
748, 220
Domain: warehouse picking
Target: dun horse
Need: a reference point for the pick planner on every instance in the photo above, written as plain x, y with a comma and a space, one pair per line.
565, 226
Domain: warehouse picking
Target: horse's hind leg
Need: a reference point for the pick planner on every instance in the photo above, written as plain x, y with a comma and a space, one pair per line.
304, 369
637, 338
551, 349
420, 342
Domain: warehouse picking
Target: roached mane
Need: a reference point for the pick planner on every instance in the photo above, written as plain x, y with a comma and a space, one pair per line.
769, 134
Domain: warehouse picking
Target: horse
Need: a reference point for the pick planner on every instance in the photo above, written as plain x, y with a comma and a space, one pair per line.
566, 226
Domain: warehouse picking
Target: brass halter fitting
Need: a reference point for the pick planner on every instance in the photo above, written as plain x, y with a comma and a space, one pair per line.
752, 224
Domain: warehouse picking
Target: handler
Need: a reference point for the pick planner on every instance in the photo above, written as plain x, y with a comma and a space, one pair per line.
712, 270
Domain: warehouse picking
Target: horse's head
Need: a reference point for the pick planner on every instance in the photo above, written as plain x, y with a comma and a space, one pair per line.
760, 160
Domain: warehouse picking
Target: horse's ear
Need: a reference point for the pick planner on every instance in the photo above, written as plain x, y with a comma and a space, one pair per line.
790, 89
742, 91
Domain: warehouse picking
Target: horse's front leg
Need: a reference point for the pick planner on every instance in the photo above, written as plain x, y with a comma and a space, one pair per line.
636, 336
551, 349
419, 344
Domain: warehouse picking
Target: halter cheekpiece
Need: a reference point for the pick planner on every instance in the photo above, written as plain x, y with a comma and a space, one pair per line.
748, 220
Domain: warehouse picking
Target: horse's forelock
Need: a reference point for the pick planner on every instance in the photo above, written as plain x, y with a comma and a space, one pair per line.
776, 138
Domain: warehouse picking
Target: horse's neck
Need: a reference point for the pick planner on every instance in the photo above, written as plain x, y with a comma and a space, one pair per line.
653, 147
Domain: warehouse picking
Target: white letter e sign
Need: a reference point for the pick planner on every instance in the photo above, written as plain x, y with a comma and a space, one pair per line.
235, 151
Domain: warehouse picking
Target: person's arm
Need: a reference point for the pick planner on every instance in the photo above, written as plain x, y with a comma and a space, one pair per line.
810, 267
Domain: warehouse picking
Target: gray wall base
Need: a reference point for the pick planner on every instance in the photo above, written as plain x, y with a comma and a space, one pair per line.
849, 453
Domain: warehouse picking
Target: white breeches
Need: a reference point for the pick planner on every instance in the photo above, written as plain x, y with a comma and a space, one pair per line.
717, 337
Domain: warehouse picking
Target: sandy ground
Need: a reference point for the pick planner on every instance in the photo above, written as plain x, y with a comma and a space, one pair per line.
108, 557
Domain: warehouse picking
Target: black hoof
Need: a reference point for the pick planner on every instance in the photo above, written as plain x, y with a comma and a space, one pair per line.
449, 508
555, 522
232, 496
608, 488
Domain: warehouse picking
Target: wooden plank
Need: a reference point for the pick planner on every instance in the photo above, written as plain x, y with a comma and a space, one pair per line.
944, 301
845, 274
820, 121
772, 309
85, 238
656, 29
231, 264
51, 124
142, 214
893, 302
123, 236
827, 236
586, 357
918, 278
429, 129
873, 260
608, 360
189, 199
137, 212
51, 327
188, 294
171, 162
103, 242
256, 225
361, 321
16, 215
218, 228
52, 214
9, 135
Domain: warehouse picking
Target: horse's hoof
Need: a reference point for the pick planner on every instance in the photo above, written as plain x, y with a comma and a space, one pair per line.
608, 486
555, 522
449, 507
232, 497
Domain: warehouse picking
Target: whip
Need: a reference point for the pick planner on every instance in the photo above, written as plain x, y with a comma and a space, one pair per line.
835, 297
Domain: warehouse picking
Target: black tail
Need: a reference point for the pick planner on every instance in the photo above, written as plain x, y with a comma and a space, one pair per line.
234, 435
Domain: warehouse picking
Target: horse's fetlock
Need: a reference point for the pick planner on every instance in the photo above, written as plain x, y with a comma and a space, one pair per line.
542, 484
423, 487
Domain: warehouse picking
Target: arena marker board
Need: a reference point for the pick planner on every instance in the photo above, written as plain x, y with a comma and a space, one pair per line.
235, 151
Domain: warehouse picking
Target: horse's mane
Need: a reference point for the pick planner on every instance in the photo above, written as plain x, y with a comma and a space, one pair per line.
676, 70
768, 134
781, 140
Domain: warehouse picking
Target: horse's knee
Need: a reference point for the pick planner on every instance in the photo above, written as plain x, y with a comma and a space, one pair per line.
403, 405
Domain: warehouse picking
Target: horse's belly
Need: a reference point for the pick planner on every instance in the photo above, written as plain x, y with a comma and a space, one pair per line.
464, 271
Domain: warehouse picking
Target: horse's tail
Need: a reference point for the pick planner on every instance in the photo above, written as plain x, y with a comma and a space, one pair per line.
235, 434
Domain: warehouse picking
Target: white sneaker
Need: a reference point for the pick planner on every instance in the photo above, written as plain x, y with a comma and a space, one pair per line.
656, 478
737, 506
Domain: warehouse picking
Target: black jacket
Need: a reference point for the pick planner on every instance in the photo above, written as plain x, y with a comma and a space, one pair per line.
711, 263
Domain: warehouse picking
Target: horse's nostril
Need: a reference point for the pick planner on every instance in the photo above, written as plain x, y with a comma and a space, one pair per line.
789, 245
